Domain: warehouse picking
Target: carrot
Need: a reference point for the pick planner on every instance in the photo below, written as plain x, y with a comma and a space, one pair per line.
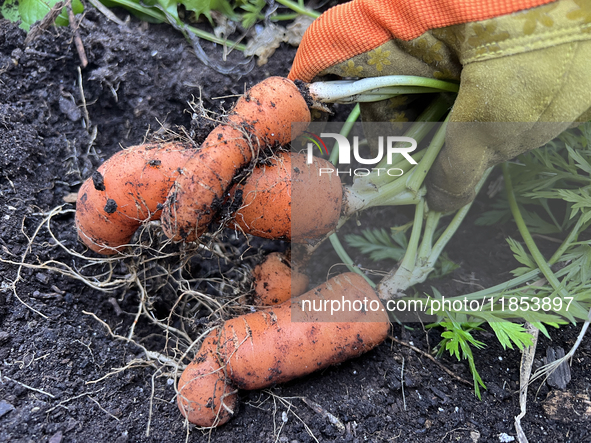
281, 343
294, 339
205, 397
276, 282
289, 199
125, 191
285, 342
262, 118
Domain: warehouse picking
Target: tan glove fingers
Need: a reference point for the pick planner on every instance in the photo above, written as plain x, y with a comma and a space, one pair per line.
523, 90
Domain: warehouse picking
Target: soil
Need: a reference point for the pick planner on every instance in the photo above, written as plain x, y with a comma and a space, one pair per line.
59, 376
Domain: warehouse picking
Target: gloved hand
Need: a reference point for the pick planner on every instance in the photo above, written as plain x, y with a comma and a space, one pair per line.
526, 62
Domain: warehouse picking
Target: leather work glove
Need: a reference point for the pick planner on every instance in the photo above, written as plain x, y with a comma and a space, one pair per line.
526, 62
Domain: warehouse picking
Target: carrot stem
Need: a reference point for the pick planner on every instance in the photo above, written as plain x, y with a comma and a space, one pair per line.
423, 125
572, 236
334, 239
394, 191
347, 260
398, 280
379, 188
455, 223
391, 194
345, 130
419, 173
281, 17
527, 238
409, 260
376, 88
421, 264
299, 8
427, 243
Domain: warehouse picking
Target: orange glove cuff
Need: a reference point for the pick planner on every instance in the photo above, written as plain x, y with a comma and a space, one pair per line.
353, 28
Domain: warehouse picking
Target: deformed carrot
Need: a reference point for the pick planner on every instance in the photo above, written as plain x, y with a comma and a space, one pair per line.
292, 339
262, 118
295, 338
125, 191
205, 397
289, 199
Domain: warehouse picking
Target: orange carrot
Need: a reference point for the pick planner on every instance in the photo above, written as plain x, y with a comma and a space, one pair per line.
294, 339
125, 191
302, 335
205, 397
290, 199
276, 282
288, 341
262, 118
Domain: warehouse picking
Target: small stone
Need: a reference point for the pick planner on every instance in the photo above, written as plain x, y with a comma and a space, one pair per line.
43, 278
56, 438
17, 54
560, 377
70, 109
5, 408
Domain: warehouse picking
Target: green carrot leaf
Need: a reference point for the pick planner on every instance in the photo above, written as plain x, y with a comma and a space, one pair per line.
508, 332
31, 11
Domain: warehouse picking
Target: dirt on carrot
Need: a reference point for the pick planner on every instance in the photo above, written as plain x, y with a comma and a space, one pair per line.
287, 184
127, 190
282, 343
275, 281
262, 118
